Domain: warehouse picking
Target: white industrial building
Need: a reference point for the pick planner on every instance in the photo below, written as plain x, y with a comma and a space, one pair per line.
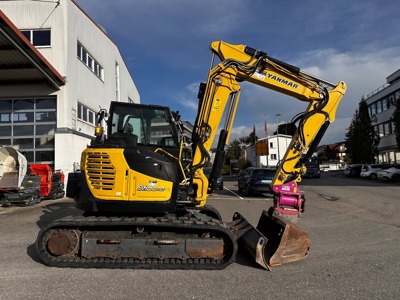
57, 68
382, 104
276, 145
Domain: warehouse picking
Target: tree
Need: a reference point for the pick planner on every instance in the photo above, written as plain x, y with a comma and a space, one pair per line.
396, 121
361, 139
234, 150
250, 139
243, 164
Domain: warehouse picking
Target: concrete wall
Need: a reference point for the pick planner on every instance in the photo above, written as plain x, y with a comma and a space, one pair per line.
69, 24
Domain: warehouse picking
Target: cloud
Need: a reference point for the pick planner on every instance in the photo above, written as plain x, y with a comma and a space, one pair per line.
188, 99
362, 72
166, 22
240, 131
166, 46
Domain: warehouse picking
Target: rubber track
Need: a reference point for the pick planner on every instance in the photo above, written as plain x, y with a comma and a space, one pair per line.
95, 223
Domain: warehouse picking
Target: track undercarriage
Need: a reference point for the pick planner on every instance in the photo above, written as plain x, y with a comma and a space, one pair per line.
194, 241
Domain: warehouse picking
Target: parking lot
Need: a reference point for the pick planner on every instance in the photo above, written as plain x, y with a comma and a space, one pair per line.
353, 225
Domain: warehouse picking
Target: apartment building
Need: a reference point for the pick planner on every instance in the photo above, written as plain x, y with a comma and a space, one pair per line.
57, 68
277, 146
381, 105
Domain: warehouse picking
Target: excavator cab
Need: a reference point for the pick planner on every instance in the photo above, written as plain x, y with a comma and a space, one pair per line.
142, 125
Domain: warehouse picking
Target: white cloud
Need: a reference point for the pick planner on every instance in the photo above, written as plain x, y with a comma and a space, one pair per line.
350, 42
240, 131
188, 103
362, 72
188, 98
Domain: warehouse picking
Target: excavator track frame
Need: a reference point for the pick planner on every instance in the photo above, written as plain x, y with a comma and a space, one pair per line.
60, 244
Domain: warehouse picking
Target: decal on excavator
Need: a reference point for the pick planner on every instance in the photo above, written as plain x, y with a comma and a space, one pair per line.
150, 188
283, 81
217, 104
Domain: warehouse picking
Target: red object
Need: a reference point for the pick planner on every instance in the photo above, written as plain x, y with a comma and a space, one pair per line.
46, 181
61, 173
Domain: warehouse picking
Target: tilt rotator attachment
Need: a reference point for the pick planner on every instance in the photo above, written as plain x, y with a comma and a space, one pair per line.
275, 240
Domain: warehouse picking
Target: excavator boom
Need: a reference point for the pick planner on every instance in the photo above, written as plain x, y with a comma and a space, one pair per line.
276, 234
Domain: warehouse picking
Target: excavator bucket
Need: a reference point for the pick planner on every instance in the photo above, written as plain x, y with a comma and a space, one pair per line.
273, 242
286, 241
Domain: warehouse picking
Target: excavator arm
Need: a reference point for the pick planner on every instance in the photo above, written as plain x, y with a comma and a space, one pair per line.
219, 98
276, 239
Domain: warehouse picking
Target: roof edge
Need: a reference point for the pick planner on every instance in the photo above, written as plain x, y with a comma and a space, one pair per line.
27, 43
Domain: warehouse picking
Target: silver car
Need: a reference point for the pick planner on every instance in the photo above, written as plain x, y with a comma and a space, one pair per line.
370, 170
392, 173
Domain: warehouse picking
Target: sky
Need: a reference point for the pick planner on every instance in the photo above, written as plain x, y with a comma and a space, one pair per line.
165, 45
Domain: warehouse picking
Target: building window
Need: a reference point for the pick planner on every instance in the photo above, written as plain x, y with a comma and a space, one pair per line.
87, 59
384, 104
378, 107
91, 117
273, 156
391, 101
271, 145
372, 109
86, 114
380, 130
385, 128
29, 125
397, 97
38, 37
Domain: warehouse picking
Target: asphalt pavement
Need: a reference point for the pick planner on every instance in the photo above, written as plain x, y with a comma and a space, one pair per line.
353, 225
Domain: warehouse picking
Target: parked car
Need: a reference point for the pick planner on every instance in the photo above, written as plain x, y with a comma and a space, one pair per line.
255, 180
313, 168
353, 170
241, 173
392, 173
370, 170
219, 181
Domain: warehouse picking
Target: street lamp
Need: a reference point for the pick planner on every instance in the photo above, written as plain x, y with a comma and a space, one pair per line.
277, 134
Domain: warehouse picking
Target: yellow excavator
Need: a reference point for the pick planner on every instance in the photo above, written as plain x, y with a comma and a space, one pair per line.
144, 193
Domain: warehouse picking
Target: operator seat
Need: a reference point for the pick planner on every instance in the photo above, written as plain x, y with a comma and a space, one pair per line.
128, 129
125, 138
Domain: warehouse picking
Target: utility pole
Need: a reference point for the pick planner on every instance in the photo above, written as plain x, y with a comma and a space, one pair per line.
266, 137
277, 134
